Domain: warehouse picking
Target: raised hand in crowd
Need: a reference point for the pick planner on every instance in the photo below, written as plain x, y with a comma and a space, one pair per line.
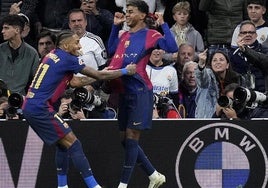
202, 59
15, 8
119, 18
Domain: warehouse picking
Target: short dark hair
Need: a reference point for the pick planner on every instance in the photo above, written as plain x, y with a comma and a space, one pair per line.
258, 2
14, 20
141, 5
46, 34
76, 10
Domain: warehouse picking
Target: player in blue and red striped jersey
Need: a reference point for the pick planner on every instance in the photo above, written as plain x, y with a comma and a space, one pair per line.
51, 79
136, 97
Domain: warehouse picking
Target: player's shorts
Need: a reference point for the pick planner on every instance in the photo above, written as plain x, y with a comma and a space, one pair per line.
135, 111
50, 127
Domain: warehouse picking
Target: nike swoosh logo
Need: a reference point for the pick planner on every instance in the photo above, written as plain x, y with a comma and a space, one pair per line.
136, 123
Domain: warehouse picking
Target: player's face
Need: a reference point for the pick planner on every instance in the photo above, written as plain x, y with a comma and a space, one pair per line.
73, 46
9, 31
77, 23
134, 16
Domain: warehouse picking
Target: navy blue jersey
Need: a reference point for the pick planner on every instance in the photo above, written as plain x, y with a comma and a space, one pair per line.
51, 79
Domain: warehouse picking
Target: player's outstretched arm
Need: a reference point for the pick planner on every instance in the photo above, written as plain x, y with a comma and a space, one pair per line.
104, 74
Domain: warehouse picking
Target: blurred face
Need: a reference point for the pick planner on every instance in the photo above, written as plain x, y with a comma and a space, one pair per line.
72, 45
248, 33
189, 76
134, 16
219, 63
230, 94
3, 106
45, 45
77, 23
9, 31
181, 17
91, 4
157, 55
186, 53
255, 12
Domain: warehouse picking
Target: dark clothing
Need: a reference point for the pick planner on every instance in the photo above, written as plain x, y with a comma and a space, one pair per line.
243, 65
230, 77
101, 24
52, 13
186, 101
260, 60
223, 17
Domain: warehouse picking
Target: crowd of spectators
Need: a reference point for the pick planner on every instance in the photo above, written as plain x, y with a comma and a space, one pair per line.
221, 44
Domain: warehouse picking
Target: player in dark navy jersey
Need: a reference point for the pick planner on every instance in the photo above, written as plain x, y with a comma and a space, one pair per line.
136, 97
51, 79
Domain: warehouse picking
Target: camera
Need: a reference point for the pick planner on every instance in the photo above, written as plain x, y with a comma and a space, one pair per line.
15, 101
82, 98
165, 106
248, 97
225, 101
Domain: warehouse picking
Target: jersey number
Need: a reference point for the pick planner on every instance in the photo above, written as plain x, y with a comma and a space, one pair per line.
42, 69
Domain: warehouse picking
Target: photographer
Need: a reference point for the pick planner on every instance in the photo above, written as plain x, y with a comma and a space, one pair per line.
82, 104
227, 111
7, 112
241, 103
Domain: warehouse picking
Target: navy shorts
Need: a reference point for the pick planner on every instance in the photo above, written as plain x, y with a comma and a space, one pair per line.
135, 111
50, 127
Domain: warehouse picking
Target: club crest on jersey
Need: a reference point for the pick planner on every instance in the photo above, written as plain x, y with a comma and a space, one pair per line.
81, 61
127, 43
221, 155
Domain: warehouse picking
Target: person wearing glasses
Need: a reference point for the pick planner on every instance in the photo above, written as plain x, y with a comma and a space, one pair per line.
254, 76
256, 10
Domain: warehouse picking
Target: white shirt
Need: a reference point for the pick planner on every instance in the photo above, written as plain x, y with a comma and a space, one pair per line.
262, 37
164, 79
93, 51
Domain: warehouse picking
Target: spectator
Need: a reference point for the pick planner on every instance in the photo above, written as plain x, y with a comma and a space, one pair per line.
45, 43
256, 10
19, 60
223, 16
254, 76
187, 91
163, 77
258, 59
93, 49
197, 18
183, 31
99, 20
186, 53
236, 110
212, 81
23, 8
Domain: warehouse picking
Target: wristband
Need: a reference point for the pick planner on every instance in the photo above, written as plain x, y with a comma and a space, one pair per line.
124, 71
